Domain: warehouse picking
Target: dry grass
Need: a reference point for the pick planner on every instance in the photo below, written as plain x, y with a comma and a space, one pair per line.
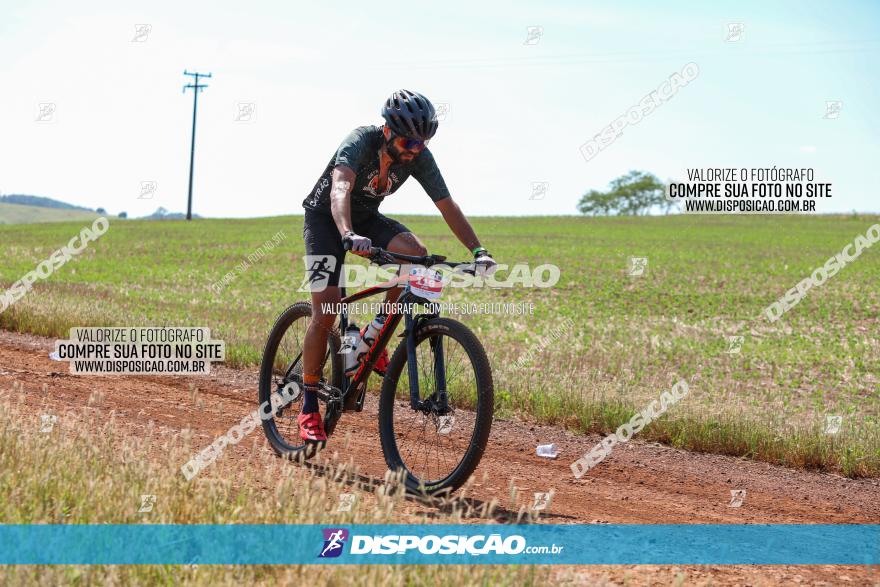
85, 470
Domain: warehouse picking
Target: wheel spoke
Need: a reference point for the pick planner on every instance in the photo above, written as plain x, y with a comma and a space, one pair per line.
284, 353
428, 455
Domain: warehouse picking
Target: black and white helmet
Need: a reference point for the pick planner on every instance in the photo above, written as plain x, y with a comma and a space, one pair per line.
410, 114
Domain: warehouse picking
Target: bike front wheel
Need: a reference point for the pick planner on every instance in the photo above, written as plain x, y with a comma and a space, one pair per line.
439, 444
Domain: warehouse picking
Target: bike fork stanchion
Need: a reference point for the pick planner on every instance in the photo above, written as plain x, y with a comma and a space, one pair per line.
439, 372
412, 368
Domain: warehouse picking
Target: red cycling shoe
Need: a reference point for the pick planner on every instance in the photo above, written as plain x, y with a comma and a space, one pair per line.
311, 427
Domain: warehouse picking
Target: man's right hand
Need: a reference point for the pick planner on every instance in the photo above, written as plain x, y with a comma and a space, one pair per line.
360, 245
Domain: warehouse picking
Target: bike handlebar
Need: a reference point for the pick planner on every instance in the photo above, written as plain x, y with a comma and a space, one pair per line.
379, 254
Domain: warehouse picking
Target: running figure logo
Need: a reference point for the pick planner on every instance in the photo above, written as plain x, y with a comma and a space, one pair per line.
334, 541
319, 268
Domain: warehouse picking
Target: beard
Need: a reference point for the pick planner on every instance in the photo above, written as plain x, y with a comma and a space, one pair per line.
396, 153
393, 151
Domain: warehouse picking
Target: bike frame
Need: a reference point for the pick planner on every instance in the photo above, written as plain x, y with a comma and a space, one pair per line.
354, 401
354, 388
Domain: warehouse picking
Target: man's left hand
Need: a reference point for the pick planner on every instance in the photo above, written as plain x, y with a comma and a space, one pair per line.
484, 264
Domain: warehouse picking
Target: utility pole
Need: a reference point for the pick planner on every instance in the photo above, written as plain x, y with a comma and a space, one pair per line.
192, 149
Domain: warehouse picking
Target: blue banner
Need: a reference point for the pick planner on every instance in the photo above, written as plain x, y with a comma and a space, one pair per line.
680, 544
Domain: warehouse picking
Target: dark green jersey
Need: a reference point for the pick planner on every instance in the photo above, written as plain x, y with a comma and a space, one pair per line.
360, 152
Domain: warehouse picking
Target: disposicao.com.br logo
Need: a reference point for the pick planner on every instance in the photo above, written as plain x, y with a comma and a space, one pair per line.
430, 544
334, 542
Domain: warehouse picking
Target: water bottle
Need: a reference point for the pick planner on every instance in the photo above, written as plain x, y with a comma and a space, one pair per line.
349, 345
369, 337
547, 450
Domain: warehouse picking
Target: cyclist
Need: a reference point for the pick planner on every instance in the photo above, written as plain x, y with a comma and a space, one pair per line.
371, 164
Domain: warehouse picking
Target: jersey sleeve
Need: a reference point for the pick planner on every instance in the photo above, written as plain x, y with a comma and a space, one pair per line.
428, 175
353, 150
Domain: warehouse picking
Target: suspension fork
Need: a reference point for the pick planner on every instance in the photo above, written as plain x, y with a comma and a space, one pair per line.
438, 398
412, 368
439, 373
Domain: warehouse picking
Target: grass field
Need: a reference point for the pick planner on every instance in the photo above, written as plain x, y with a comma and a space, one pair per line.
22, 214
707, 278
85, 471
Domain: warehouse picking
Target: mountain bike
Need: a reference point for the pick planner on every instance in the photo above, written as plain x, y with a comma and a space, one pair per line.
437, 397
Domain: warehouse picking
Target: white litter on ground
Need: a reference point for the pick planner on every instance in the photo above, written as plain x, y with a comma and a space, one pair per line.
548, 451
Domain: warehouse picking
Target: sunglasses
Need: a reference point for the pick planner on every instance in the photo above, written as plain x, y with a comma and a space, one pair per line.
410, 144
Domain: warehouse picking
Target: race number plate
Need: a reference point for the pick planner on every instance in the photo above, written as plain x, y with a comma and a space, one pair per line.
425, 283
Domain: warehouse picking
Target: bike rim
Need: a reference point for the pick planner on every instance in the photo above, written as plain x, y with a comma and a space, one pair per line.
287, 368
433, 446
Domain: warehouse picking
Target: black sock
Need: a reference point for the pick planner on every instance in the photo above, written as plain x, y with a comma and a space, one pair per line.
310, 398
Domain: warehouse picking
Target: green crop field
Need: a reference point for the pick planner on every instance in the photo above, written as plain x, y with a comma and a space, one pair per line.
601, 344
23, 214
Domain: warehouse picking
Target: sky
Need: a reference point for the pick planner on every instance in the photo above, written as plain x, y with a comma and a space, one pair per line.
519, 105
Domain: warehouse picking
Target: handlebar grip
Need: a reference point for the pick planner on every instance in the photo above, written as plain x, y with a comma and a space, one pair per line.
347, 244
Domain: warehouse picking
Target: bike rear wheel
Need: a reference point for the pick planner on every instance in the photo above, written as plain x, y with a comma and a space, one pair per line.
437, 453
282, 365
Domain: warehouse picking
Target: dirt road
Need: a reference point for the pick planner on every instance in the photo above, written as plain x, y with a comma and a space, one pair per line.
638, 483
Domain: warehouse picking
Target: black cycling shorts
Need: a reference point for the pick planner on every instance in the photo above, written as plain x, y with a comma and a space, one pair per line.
322, 237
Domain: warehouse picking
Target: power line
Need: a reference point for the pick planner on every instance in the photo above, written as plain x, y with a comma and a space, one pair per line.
197, 87
723, 50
